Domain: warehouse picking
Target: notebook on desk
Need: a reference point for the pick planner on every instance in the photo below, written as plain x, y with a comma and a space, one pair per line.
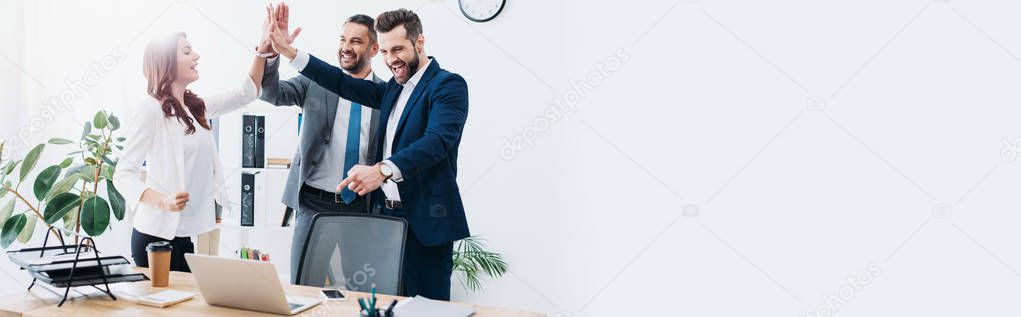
419, 306
165, 298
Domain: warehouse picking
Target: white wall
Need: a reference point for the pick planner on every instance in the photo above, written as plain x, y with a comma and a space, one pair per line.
709, 111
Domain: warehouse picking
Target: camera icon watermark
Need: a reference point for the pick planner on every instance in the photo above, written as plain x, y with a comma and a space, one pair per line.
438, 211
689, 210
815, 103
941, 210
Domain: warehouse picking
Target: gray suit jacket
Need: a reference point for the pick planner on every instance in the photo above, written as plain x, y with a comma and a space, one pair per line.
319, 108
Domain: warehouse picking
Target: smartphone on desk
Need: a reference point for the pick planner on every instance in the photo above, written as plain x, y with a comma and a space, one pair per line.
333, 295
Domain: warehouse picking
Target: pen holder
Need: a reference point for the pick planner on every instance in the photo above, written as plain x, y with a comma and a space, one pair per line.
365, 313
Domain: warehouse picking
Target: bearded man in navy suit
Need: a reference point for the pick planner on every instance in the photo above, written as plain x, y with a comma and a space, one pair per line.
424, 108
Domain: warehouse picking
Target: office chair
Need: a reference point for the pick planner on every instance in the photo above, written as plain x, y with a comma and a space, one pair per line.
354, 251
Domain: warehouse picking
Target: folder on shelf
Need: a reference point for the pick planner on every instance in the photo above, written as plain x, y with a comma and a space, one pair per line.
253, 141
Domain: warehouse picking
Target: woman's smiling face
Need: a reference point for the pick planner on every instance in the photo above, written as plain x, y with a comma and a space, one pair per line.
187, 62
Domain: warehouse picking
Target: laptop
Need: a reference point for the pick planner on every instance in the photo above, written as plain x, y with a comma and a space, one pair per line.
244, 284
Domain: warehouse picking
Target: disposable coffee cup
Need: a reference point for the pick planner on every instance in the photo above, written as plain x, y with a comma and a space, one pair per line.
159, 262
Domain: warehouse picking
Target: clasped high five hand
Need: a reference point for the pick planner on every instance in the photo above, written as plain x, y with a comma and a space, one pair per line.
275, 31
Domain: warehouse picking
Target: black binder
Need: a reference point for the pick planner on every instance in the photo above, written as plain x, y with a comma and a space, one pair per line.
247, 199
253, 141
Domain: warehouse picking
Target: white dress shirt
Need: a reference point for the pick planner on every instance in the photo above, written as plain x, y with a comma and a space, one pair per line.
389, 187
329, 171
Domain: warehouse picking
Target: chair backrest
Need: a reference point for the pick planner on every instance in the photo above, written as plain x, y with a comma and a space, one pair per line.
354, 251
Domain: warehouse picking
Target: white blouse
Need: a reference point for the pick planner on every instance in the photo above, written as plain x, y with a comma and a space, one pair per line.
161, 143
199, 215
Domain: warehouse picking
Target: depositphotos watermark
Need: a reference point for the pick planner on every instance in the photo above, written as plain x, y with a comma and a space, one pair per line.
831, 303
1010, 150
60, 103
566, 103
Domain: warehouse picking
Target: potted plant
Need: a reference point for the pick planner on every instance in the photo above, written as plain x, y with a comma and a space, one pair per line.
472, 261
68, 191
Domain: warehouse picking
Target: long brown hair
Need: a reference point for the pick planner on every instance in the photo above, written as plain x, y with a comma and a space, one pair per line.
160, 68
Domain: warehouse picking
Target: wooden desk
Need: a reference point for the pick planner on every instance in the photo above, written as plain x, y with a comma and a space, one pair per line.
41, 302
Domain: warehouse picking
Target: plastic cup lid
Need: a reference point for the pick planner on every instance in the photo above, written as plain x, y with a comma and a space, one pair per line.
159, 246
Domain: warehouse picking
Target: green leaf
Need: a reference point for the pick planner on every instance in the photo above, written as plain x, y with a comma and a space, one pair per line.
63, 186
99, 120
114, 122
90, 161
60, 141
28, 229
12, 227
66, 163
10, 167
116, 200
95, 216
110, 162
121, 139
7, 210
30, 160
45, 181
88, 173
70, 219
86, 129
74, 170
473, 260
8, 185
108, 171
59, 206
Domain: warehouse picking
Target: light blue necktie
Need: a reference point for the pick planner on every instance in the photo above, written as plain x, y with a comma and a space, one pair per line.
354, 127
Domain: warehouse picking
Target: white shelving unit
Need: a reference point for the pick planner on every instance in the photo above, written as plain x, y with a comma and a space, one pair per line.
282, 139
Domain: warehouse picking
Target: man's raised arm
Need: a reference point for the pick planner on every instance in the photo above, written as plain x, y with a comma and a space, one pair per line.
328, 76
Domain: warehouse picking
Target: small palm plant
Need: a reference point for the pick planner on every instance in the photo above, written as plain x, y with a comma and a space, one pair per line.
67, 191
472, 260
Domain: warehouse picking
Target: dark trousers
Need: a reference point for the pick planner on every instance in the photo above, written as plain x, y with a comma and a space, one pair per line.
181, 246
427, 269
310, 202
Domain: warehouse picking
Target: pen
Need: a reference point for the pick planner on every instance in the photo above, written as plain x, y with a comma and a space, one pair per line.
373, 297
390, 310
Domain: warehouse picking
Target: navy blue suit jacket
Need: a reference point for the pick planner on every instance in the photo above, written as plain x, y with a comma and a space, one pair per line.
424, 146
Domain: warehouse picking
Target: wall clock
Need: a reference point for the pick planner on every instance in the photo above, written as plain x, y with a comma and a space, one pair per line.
481, 10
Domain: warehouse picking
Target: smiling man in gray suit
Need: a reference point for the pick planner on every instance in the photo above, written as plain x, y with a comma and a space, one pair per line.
336, 134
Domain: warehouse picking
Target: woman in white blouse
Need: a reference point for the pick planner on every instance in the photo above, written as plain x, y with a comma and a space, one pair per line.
171, 133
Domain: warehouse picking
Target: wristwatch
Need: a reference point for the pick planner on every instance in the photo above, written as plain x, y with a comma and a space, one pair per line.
264, 55
386, 170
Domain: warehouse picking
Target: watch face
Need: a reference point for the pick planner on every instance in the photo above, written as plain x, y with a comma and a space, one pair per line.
481, 10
